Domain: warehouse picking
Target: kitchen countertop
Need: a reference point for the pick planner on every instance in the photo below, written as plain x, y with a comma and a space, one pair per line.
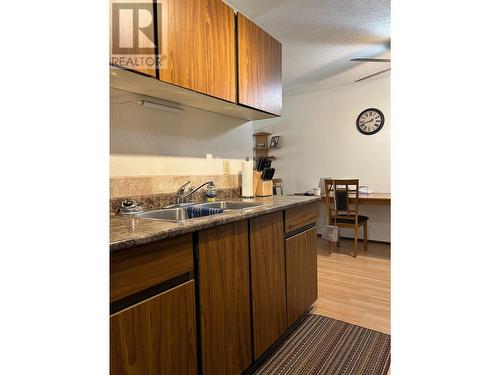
130, 231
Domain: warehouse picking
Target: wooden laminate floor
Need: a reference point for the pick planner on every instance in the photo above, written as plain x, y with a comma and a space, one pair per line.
355, 290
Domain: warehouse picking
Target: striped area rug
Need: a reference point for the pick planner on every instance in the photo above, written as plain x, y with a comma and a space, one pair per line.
322, 345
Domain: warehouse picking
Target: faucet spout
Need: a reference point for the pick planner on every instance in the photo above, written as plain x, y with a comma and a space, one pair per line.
192, 191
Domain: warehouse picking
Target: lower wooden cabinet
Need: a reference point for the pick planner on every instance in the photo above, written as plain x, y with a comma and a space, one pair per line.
224, 295
267, 258
156, 336
301, 273
252, 284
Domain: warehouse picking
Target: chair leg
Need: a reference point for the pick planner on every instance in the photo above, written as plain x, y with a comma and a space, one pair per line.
330, 245
355, 241
365, 235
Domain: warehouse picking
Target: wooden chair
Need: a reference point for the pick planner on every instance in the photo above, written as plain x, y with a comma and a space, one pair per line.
343, 210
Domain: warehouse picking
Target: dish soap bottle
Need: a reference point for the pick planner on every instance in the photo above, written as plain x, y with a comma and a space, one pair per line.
211, 192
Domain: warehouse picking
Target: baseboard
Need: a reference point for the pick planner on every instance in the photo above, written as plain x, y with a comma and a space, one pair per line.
360, 239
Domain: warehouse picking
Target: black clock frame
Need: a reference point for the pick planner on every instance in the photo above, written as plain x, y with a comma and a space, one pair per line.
381, 122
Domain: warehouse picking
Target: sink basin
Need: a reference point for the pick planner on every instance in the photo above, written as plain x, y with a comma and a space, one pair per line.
181, 213
227, 205
170, 214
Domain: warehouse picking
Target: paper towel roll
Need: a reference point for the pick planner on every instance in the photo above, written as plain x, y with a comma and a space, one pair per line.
247, 178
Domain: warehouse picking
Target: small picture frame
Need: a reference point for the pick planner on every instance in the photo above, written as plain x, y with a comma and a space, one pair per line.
274, 141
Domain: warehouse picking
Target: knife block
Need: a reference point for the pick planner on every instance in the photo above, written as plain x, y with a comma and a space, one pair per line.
261, 188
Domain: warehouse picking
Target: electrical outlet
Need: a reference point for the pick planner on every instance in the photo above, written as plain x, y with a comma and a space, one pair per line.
225, 167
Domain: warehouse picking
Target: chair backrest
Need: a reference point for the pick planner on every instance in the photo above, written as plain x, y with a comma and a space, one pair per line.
345, 194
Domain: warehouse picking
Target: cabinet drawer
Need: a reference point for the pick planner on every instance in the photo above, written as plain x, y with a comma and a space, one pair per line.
298, 217
141, 267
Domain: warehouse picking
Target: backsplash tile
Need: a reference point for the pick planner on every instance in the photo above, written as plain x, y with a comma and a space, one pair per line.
145, 185
119, 187
160, 184
158, 191
140, 185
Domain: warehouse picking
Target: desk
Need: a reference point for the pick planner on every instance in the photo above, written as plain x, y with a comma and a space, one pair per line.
380, 199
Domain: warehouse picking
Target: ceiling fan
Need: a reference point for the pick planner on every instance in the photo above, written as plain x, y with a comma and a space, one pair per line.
363, 59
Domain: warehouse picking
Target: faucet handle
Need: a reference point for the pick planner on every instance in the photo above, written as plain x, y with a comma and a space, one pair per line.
181, 190
184, 186
180, 193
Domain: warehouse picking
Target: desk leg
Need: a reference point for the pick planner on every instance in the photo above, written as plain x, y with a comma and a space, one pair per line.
365, 235
355, 241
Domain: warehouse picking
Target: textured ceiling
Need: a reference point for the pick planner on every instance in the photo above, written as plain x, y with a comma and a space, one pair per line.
319, 38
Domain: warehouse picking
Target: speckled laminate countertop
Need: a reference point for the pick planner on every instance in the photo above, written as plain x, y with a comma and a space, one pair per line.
130, 231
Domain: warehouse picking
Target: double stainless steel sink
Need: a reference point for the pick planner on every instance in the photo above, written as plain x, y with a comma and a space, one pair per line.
180, 212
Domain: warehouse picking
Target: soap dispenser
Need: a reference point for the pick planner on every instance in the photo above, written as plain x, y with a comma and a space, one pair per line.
211, 192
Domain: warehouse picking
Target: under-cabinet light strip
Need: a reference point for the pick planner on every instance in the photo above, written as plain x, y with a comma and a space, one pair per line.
159, 106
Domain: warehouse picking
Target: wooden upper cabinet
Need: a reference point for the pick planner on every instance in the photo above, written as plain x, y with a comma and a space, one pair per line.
267, 260
197, 46
156, 336
259, 68
132, 35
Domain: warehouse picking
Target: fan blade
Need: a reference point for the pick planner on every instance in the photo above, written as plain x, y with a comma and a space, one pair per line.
373, 75
370, 59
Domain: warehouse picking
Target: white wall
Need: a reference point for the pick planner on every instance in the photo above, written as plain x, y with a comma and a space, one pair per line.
319, 138
146, 141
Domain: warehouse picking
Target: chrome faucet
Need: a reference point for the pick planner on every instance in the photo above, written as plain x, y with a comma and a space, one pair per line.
181, 196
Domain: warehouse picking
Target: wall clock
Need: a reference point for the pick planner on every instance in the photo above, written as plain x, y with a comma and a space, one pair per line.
370, 121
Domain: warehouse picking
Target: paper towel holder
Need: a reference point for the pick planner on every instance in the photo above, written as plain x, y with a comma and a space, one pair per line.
247, 159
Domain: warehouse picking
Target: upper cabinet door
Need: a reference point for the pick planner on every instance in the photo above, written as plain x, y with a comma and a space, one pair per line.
132, 34
197, 46
259, 68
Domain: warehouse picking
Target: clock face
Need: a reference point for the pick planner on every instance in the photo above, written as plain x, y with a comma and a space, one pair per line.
370, 121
